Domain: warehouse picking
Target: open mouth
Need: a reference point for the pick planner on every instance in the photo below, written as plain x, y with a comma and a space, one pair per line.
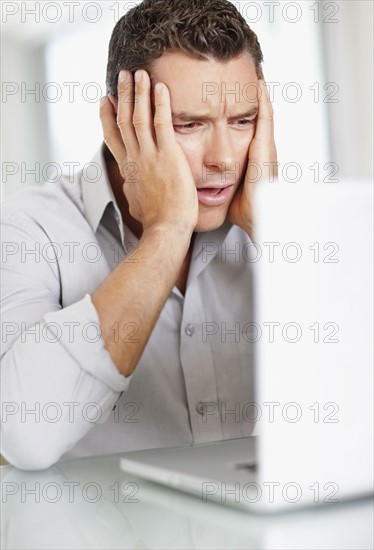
214, 196
212, 190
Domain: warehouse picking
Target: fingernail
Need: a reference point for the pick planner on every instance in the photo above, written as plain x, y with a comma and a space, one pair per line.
138, 76
122, 75
159, 88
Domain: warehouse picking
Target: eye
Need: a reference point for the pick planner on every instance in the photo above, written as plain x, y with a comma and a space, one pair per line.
189, 126
246, 121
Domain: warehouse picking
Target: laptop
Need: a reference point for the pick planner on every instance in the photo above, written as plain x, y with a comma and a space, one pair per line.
313, 301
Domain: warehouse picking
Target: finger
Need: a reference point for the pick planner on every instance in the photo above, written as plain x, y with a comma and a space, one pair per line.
265, 119
125, 111
112, 135
163, 120
142, 117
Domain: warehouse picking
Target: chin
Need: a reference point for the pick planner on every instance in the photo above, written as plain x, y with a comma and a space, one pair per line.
210, 219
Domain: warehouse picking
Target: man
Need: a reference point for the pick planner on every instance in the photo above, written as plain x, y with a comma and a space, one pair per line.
144, 344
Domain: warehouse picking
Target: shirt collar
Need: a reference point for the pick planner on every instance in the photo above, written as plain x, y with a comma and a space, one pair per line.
97, 192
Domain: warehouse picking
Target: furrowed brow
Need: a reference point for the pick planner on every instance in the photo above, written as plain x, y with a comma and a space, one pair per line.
185, 115
251, 112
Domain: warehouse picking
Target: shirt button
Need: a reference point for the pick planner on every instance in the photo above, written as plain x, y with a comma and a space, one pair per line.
189, 329
200, 407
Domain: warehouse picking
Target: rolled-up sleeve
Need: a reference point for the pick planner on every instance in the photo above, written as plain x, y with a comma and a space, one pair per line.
57, 378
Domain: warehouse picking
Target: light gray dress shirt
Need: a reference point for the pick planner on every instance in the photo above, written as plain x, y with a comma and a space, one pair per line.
62, 395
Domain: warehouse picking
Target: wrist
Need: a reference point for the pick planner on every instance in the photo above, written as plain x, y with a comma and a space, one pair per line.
170, 230
174, 235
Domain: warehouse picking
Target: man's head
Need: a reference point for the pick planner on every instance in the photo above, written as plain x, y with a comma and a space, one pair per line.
198, 28
207, 55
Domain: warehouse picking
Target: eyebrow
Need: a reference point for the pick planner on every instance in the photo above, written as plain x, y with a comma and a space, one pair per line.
185, 115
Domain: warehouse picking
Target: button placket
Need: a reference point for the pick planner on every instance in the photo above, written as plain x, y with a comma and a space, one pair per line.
198, 369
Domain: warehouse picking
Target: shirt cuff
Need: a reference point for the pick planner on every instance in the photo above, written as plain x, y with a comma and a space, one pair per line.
77, 328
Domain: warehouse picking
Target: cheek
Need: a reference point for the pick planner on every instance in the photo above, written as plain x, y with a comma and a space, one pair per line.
192, 148
242, 147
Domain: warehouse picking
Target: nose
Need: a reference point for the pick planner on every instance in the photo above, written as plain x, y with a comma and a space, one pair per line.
219, 157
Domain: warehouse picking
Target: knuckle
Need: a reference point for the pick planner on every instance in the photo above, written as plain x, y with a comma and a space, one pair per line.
161, 121
108, 137
138, 122
121, 122
124, 121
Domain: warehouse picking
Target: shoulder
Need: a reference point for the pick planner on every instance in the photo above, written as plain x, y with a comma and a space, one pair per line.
52, 195
43, 205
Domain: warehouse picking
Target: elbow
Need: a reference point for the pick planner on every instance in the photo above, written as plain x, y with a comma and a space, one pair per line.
31, 462
24, 454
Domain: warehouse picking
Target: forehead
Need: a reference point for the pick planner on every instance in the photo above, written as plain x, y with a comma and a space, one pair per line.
197, 83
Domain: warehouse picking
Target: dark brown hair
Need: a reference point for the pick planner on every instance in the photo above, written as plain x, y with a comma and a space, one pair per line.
198, 28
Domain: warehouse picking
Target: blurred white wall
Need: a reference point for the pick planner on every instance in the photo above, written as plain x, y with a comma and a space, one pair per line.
348, 56
318, 64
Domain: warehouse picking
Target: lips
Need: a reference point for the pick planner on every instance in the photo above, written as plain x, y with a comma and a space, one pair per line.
214, 185
214, 196
211, 190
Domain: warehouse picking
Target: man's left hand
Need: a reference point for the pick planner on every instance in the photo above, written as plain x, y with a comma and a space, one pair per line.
262, 163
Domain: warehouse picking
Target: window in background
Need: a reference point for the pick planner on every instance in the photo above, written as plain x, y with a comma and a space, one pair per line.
75, 57
293, 69
76, 63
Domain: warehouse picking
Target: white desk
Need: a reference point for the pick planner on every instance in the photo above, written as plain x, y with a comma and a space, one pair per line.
85, 503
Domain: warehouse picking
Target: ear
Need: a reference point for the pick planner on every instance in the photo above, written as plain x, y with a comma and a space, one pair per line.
113, 101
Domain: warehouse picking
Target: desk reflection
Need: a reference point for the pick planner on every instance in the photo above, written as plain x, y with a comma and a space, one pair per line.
91, 503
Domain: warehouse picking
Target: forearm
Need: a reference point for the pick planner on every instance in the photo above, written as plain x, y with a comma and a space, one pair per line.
131, 298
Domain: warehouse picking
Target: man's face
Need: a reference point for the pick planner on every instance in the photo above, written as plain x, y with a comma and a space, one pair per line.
215, 128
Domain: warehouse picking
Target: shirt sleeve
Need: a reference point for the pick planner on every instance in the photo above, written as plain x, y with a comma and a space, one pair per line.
57, 377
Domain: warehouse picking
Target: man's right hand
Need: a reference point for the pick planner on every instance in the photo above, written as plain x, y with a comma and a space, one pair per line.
158, 183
